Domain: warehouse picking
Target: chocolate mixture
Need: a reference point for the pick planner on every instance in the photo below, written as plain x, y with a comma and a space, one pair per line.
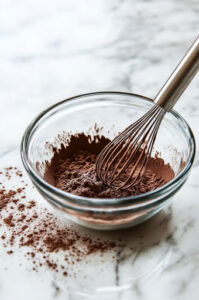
72, 169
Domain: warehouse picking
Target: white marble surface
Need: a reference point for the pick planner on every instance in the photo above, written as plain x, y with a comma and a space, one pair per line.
50, 50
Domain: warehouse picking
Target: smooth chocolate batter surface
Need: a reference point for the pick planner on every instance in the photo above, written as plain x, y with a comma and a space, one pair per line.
72, 169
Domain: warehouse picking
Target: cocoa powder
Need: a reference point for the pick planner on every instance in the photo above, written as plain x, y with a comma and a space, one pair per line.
72, 169
5, 197
40, 232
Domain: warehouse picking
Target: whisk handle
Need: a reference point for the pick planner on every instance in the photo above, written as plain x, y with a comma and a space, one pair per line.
179, 79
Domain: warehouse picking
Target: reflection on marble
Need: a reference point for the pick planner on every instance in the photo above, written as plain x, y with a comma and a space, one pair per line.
51, 50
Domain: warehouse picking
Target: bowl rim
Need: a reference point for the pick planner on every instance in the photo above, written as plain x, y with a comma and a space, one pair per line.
101, 201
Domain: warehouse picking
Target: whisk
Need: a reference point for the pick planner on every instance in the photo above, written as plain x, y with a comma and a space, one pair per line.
122, 163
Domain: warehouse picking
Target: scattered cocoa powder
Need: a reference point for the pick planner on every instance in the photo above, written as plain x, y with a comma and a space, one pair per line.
21, 207
31, 204
5, 197
35, 229
9, 221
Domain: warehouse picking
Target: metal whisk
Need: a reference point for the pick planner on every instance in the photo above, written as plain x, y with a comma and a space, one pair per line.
123, 161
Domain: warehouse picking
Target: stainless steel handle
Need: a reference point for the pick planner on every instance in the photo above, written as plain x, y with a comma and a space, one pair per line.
179, 79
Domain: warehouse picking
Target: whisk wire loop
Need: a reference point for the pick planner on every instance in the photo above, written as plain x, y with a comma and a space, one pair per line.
122, 162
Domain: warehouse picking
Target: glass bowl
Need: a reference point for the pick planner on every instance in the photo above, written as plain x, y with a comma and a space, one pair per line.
112, 112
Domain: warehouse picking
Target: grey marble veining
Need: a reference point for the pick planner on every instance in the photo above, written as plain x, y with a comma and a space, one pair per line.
51, 50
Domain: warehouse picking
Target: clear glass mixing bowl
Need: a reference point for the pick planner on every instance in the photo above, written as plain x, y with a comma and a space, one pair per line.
113, 111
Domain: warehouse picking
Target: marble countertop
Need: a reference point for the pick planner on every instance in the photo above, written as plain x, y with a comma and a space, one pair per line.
51, 50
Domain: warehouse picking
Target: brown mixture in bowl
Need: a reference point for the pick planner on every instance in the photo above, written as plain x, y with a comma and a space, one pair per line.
72, 169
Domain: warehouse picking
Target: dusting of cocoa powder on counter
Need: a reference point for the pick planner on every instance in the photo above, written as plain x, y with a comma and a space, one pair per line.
72, 169
24, 224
